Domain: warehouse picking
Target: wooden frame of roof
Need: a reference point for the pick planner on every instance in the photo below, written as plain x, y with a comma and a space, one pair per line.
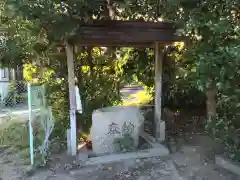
124, 33
120, 33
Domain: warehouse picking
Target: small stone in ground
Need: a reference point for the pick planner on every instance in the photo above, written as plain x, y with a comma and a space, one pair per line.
138, 160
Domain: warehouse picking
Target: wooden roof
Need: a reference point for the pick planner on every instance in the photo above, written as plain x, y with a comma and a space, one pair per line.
124, 33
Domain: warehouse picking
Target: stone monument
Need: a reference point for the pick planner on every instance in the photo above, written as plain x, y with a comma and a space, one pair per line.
111, 123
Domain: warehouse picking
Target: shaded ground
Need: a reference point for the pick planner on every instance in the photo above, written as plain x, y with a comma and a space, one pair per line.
195, 159
157, 168
192, 158
192, 151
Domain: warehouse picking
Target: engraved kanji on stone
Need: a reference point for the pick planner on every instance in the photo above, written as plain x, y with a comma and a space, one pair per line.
128, 128
113, 129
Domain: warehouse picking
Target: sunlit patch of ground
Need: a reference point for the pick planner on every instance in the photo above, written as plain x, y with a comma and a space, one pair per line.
138, 99
135, 96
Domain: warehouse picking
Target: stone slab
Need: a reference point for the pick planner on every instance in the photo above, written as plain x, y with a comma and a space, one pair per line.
154, 168
151, 140
112, 123
68, 132
83, 152
228, 164
162, 131
153, 152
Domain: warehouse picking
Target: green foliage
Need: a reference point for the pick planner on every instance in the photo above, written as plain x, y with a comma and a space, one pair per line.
124, 144
139, 65
17, 39
14, 137
14, 134
226, 127
226, 130
212, 50
15, 95
98, 84
57, 93
210, 57
9, 99
179, 89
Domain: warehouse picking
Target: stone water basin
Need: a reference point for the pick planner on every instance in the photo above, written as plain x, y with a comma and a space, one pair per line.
111, 125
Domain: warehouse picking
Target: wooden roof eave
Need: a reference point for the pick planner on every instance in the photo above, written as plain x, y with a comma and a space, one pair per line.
124, 33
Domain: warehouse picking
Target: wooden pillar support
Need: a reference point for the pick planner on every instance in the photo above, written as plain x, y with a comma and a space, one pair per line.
72, 99
159, 124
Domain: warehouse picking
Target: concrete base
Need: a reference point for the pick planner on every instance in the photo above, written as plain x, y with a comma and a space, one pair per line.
162, 131
153, 152
228, 164
83, 152
69, 150
151, 140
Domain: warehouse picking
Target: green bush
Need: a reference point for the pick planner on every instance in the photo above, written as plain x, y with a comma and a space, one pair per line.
225, 132
15, 94
9, 99
20, 99
225, 128
124, 144
14, 134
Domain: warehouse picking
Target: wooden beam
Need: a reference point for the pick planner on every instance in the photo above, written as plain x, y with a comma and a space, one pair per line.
72, 98
123, 36
101, 43
159, 124
124, 33
128, 23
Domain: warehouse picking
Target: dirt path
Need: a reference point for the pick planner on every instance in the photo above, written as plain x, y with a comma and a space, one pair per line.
157, 168
11, 165
128, 91
195, 160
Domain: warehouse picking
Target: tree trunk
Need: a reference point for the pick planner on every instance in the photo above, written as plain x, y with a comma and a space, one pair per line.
111, 9
211, 94
90, 59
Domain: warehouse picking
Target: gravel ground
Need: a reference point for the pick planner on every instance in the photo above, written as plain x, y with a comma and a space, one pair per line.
193, 161
157, 168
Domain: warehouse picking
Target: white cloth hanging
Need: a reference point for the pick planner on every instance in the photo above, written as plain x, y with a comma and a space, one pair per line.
78, 100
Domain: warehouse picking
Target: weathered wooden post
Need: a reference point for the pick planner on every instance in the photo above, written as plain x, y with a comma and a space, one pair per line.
159, 123
211, 94
72, 99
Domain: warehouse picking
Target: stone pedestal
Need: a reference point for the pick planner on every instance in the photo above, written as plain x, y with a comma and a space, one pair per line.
111, 123
69, 150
